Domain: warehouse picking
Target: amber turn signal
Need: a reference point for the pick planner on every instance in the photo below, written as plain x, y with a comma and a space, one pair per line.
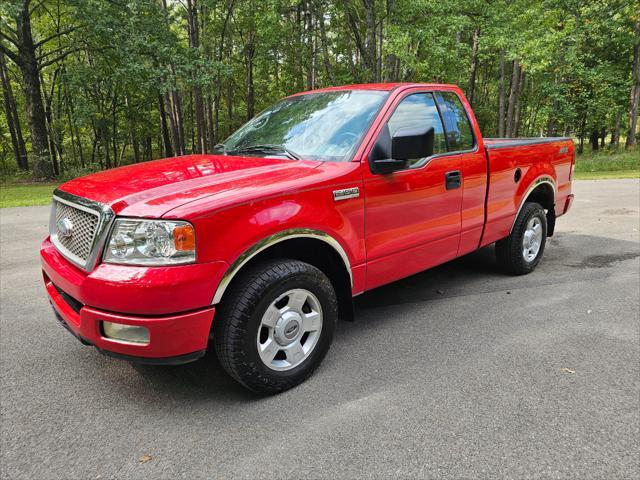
184, 238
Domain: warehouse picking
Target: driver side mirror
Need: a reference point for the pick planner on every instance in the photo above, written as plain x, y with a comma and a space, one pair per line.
391, 153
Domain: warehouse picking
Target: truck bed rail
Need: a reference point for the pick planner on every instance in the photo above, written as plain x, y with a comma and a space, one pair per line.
495, 143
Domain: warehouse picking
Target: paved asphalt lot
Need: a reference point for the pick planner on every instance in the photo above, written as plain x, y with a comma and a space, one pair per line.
457, 372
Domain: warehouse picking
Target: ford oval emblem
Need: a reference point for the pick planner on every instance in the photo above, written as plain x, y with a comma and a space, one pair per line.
65, 228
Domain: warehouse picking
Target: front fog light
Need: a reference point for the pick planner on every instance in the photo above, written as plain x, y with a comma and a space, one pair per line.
125, 333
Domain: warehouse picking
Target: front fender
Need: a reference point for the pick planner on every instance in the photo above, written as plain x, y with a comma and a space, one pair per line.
236, 233
272, 240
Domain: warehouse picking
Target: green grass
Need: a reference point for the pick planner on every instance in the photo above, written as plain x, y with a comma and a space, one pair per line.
25, 194
609, 161
607, 175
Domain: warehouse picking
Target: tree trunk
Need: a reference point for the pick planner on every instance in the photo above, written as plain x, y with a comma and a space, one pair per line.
104, 141
36, 118
172, 106
59, 132
216, 110
379, 51
114, 128
148, 148
324, 44
229, 101
211, 135
122, 150
219, 79
249, 54
70, 121
594, 140
501, 96
474, 66
298, 62
370, 28
603, 136
552, 127
94, 146
166, 139
367, 46
176, 102
48, 115
132, 131
311, 47
192, 130
200, 145
635, 89
513, 93
229, 97
518, 106
582, 134
72, 124
615, 133
13, 120
173, 125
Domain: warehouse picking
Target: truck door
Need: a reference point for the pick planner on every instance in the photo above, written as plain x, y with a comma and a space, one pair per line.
466, 143
413, 215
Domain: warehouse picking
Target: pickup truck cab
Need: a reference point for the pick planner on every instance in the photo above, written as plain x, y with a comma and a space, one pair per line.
258, 249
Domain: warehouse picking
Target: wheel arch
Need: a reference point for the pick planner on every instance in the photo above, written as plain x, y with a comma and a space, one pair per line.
315, 247
542, 191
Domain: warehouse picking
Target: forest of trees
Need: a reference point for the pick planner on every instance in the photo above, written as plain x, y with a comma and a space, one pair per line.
92, 84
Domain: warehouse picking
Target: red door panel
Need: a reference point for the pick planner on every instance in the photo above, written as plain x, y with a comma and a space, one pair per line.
412, 222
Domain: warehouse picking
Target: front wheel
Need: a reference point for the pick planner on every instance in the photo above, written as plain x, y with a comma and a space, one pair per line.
522, 250
276, 325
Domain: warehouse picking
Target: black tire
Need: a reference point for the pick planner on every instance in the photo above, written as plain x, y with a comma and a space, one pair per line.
238, 319
509, 251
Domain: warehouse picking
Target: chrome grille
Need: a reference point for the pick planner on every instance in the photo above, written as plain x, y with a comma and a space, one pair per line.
79, 228
84, 230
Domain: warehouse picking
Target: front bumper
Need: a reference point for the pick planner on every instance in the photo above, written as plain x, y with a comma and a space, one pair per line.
147, 297
173, 339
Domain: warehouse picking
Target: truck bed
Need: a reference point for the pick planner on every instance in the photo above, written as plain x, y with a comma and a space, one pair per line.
515, 165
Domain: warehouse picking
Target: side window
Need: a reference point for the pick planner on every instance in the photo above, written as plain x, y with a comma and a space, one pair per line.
459, 133
419, 109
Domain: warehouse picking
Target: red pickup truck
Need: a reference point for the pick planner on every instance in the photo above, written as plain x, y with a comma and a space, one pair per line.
258, 249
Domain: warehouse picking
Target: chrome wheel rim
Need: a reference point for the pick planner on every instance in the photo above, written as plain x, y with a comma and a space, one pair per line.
289, 329
532, 239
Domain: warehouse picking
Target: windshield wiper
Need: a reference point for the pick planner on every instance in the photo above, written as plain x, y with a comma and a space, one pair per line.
266, 148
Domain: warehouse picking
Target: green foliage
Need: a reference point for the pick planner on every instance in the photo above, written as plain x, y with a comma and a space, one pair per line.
110, 65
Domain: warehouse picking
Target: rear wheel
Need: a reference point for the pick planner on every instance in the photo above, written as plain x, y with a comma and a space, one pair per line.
522, 250
276, 325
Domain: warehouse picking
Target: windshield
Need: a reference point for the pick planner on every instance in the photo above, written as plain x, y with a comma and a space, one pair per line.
324, 126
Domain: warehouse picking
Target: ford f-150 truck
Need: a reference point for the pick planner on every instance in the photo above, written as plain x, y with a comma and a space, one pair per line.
257, 250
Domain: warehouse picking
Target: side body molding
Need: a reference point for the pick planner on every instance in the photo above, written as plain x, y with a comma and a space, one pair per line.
534, 185
272, 240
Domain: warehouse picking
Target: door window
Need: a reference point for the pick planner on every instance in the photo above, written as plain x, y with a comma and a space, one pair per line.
459, 133
419, 110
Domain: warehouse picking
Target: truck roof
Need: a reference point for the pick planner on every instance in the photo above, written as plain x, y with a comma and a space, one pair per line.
378, 86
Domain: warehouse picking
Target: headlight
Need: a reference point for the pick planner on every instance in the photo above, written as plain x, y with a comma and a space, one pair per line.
151, 242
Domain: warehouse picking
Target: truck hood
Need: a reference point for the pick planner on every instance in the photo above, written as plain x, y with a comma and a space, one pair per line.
151, 189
